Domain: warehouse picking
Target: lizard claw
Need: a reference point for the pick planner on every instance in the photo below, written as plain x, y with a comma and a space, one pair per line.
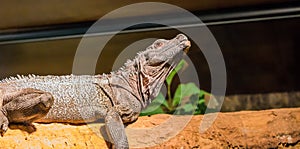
3, 129
3, 124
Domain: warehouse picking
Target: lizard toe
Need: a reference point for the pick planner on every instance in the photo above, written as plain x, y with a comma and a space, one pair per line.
3, 125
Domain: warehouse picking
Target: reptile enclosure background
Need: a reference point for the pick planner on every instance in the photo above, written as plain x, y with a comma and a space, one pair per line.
261, 56
259, 39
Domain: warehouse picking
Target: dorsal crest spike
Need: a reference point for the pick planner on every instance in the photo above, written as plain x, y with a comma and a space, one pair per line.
19, 77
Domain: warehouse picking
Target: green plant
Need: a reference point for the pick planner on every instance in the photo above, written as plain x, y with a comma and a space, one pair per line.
187, 99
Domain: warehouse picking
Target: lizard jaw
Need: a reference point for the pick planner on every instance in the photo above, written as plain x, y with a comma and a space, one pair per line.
188, 45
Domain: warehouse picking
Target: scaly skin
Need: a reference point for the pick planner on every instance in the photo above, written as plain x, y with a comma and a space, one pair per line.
117, 97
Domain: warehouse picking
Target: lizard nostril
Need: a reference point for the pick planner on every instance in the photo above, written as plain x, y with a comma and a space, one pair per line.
181, 37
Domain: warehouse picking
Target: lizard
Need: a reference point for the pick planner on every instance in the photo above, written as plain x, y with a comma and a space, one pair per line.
117, 97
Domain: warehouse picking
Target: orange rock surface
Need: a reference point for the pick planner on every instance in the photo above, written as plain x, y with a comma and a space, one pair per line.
251, 129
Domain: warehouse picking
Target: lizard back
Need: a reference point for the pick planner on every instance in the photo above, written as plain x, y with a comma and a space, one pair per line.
77, 99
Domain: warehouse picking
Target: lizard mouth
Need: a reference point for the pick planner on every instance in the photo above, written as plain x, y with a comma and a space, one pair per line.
187, 45
184, 43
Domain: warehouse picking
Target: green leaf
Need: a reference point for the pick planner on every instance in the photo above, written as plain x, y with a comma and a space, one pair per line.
174, 71
160, 99
188, 108
184, 90
152, 110
201, 101
201, 94
156, 106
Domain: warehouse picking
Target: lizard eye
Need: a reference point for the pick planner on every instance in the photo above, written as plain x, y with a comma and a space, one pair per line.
158, 44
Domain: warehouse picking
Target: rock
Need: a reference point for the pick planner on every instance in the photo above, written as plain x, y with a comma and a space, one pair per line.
52, 135
246, 129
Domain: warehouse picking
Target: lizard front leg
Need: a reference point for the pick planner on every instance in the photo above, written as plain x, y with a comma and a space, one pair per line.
23, 106
116, 130
3, 122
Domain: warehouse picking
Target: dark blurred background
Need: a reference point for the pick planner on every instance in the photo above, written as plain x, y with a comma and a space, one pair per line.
260, 39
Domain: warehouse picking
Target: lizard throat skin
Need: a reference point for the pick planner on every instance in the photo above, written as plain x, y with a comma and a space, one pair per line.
145, 74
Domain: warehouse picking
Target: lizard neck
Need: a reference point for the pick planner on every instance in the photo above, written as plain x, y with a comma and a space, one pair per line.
143, 81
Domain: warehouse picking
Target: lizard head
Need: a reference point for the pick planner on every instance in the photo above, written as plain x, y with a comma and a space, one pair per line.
157, 61
166, 51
